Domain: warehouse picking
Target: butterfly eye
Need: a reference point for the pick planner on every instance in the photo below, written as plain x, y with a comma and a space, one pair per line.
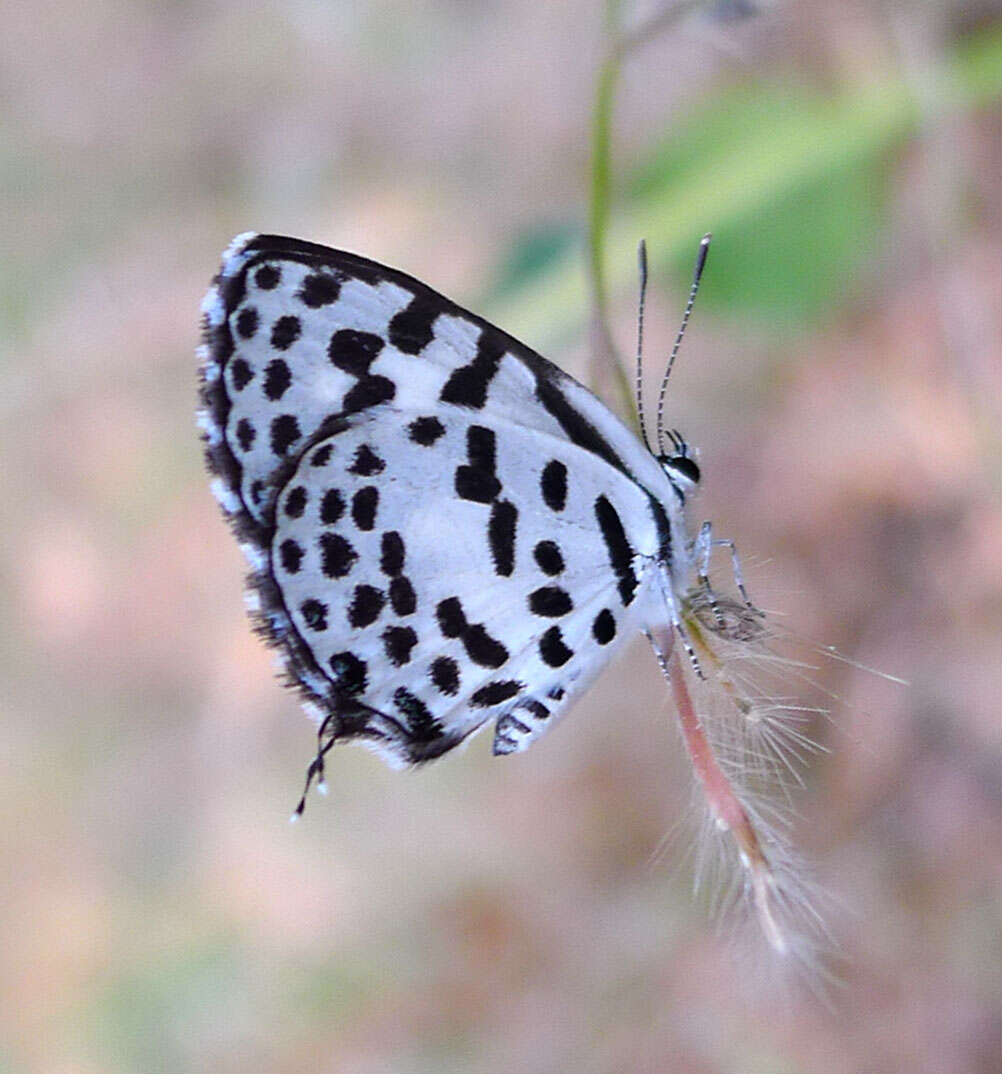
683, 466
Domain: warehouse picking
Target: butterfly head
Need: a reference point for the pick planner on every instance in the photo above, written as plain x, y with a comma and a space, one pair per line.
679, 466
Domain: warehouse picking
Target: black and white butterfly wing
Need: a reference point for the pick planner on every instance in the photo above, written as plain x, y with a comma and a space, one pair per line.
443, 528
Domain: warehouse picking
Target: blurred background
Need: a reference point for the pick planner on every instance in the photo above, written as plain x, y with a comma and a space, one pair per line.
842, 378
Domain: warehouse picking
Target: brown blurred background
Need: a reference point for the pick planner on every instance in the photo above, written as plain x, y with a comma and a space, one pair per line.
843, 379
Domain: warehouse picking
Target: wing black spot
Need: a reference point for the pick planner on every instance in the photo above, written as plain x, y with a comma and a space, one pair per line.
398, 642
364, 505
284, 433
350, 673
552, 648
450, 616
241, 374
291, 554
391, 560
548, 557
268, 277
247, 322
604, 627
467, 386
331, 507
366, 606
477, 480
354, 351
337, 556
295, 502
421, 725
322, 455
494, 693
411, 328
277, 379
537, 708
553, 485
369, 391
319, 289
482, 649
402, 596
315, 614
501, 536
366, 462
245, 434
284, 332
445, 675
425, 431
550, 601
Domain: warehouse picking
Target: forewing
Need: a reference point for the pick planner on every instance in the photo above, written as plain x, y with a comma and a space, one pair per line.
443, 527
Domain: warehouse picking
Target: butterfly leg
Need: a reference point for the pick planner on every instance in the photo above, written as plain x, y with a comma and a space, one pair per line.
662, 646
702, 550
679, 627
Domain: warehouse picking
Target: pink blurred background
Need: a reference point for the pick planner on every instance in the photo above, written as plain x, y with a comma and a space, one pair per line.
157, 913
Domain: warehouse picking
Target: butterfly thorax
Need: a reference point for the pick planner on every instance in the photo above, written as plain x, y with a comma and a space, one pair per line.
675, 563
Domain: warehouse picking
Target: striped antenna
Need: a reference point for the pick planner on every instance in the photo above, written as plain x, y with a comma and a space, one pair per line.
639, 383
704, 248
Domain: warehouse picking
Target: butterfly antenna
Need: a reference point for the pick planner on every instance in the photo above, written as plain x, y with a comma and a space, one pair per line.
639, 383
704, 248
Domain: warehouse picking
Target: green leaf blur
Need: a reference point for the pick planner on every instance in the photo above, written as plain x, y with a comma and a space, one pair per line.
790, 256
790, 182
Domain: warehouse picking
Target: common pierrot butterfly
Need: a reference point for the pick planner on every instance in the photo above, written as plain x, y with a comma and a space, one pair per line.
444, 530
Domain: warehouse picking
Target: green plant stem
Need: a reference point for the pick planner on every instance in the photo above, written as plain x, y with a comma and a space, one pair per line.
605, 360
605, 357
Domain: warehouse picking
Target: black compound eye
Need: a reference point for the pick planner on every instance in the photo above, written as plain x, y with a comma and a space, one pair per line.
685, 466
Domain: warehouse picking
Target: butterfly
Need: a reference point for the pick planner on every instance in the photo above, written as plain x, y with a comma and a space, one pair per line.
444, 530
